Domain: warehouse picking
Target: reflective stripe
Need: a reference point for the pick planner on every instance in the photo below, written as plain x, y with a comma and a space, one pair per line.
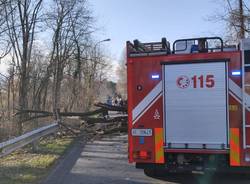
159, 152
149, 100
238, 100
145, 110
235, 88
237, 91
234, 147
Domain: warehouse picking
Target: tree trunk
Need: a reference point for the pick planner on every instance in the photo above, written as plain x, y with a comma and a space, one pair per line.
8, 99
23, 100
242, 20
58, 76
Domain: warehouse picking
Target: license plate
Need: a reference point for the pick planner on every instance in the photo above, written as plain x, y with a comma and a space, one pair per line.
142, 132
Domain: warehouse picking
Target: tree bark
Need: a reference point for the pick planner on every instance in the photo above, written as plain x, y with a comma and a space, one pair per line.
242, 20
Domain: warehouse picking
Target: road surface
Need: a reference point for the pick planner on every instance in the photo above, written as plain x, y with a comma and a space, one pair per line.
104, 161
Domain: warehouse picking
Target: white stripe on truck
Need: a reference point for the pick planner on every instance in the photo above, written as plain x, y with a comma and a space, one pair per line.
236, 92
235, 89
147, 102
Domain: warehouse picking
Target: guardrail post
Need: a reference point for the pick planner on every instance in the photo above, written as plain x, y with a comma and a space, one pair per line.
57, 116
35, 143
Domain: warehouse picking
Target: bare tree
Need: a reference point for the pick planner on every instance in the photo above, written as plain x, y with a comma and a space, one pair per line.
65, 21
19, 23
235, 14
68, 74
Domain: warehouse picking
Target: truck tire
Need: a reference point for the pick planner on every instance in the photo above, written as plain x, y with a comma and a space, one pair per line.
155, 173
150, 172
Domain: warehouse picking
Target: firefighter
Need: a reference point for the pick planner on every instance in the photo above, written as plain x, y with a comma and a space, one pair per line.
202, 45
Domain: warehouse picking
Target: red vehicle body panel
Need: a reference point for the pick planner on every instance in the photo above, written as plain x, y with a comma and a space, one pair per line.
140, 69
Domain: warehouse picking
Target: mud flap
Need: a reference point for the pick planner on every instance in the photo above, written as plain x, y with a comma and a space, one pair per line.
234, 147
159, 150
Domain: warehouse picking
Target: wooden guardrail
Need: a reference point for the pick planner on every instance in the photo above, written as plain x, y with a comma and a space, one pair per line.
11, 145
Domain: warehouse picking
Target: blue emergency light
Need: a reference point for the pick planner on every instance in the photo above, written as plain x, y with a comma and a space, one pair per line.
236, 73
155, 76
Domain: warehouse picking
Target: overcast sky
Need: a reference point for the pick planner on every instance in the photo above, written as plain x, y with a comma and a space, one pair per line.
150, 20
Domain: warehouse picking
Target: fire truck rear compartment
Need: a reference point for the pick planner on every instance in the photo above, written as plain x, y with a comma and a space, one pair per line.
195, 103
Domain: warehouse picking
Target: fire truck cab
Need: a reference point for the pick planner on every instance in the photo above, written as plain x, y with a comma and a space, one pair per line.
189, 106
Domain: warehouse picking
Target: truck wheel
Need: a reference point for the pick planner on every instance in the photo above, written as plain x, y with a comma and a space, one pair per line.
154, 173
150, 172
246, 176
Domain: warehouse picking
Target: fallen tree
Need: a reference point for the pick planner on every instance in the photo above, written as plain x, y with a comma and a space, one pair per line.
112, 107
88, 119
46, 113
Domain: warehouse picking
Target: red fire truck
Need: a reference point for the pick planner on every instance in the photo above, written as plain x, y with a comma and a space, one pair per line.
189, 106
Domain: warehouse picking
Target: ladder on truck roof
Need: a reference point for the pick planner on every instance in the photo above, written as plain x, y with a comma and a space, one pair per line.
245, 47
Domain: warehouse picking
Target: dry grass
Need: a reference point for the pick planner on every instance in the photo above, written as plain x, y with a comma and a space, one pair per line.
26, 167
